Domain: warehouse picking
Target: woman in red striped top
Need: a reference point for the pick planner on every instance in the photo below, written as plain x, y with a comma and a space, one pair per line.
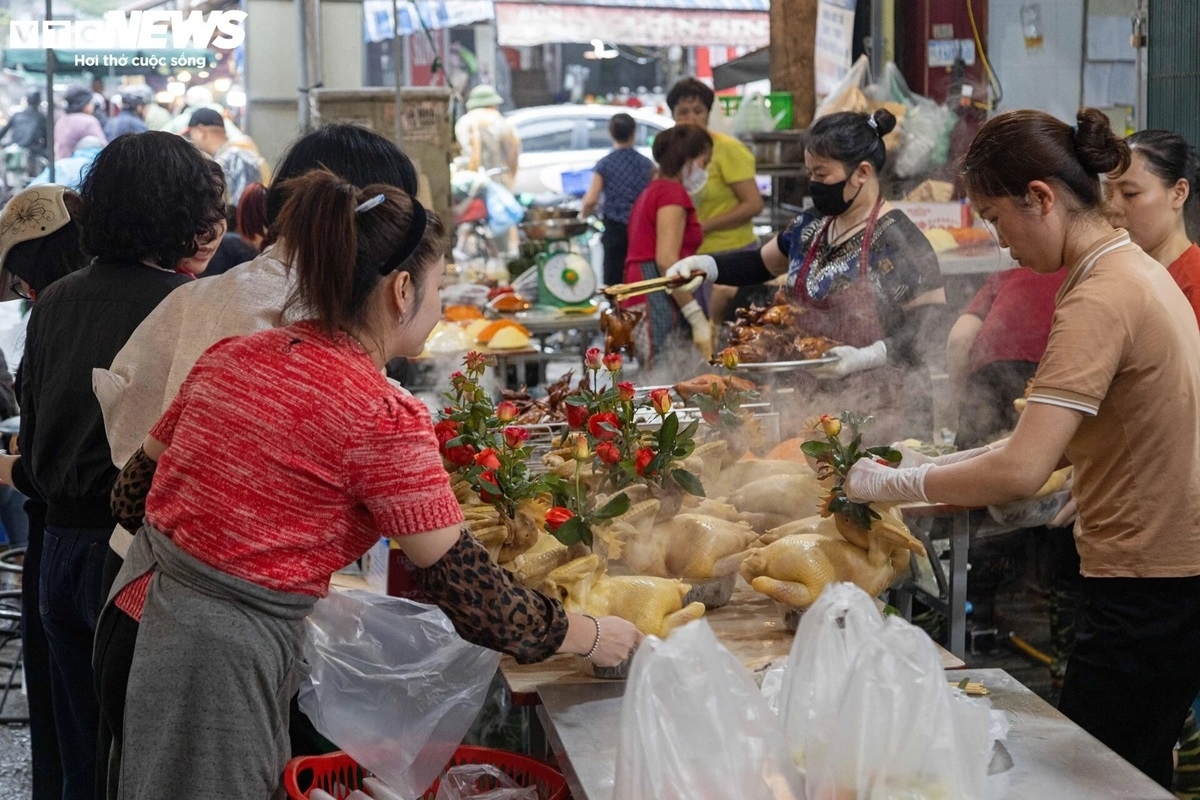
284, 457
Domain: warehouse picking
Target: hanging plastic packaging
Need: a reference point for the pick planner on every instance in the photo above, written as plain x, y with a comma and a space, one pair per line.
393, 685
694, 725
481, 782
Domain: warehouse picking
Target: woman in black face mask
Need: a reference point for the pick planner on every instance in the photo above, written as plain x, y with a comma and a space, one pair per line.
863, 275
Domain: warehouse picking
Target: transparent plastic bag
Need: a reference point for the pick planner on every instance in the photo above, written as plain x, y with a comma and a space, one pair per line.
900, 732
831, 634
753, 115
392, 684
925, 138
504, 210
481, 782
848, 94
694, 725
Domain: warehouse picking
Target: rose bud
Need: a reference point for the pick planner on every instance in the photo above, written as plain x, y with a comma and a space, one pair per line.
476, 361
580, 445
592, 359
831, 425
642, 460
710, 417
625, 391
577, 416
612, 362
661, 400
445, 430
556, 516
514, 437
506, 411
609, 453
729, 358
487, 458
604, 425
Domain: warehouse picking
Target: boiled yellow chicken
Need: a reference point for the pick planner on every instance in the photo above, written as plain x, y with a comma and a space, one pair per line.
795, 569
741, 473
531, 567
654, 605
790, 495
825, 526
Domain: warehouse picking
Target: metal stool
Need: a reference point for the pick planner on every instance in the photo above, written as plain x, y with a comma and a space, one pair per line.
10, 631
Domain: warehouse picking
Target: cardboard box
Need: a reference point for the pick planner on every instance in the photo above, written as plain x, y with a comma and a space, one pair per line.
388, 571
927, 216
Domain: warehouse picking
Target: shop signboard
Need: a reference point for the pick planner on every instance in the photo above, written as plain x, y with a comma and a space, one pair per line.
834, 47
527, 24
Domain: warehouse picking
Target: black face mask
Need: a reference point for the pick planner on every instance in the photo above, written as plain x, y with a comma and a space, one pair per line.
829, 198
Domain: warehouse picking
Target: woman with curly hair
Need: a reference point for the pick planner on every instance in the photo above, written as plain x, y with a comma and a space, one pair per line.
150, 202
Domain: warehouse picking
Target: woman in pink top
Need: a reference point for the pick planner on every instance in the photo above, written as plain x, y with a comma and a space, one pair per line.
663, 229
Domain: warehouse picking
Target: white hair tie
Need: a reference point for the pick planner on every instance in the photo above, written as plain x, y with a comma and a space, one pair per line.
874, 125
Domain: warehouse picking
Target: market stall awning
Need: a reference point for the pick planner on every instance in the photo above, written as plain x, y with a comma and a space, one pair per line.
119, 62
751, 67
648, 23
435, 14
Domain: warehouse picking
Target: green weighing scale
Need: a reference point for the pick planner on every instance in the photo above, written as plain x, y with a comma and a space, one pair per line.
565, 280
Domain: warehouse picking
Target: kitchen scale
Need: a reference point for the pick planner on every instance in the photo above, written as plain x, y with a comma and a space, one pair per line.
565, 280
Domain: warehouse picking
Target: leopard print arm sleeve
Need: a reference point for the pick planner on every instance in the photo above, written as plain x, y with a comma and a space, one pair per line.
487, 609
128, 496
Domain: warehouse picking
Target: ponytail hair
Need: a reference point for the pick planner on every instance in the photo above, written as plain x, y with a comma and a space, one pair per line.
340, 254
1018, 147
1169, 156
852, 137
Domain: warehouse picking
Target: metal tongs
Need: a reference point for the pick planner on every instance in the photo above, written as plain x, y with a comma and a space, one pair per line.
623, 291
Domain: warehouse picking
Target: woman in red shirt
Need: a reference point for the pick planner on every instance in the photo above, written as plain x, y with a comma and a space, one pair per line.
1155, 200
663, 229
285, 456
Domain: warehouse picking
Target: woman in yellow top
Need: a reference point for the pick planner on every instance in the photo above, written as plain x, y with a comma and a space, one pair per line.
1117, 395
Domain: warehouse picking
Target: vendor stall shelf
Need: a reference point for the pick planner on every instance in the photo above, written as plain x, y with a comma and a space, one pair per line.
1044, 756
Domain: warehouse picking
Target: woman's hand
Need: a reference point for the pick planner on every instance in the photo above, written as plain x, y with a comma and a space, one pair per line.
869, 481
851, 360
695, 269
618, 639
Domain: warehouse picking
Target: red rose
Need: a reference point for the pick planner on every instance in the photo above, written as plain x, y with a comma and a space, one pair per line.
609, 453
476, 361
506, 411
711, 417
487, 458
514, 437
612, 362
599, 425
661, 399
577, 416
642, 460
445, 430
461, 455
625, 391
487, 480
556, 516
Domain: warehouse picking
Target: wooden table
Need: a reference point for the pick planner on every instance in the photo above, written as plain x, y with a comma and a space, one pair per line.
1045, 757
750, 626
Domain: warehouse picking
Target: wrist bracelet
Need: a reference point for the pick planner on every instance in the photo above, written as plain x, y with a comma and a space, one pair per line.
595, 644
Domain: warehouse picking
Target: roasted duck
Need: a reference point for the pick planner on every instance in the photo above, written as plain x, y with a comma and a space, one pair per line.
617, 324
775, 333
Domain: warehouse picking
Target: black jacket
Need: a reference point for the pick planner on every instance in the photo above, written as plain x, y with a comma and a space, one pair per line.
79, 323
28, 129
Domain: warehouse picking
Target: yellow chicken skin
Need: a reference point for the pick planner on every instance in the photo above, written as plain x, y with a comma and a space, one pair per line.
795, 569
531, 567
654, 605
794, 495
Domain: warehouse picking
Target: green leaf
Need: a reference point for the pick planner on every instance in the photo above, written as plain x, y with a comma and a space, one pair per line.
891, 611
571, 531
576, 400
729, 418
690, 430
455, 442
688, 482
705, 403
670, 427
615, 507
815, 449
887, 454
964, 683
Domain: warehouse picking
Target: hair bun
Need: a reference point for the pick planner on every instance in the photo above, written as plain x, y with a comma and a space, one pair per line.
1100, 151
885, 121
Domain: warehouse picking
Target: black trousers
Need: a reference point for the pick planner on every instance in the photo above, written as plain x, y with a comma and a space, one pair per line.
43, 732
116, 635
615, 240
1135, 669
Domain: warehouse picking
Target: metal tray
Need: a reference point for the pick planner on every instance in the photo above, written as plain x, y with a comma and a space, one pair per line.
784, 366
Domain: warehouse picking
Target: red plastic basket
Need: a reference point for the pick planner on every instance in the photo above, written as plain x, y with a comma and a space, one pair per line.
338, 774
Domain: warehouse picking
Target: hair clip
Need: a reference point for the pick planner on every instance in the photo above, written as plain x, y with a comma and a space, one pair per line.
367, 205
874, 125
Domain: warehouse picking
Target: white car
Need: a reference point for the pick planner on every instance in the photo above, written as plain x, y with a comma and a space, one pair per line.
571, 139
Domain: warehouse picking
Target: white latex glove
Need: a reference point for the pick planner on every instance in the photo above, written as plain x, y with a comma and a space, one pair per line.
851, 360
869, 481
912, 458
701, 329
701, 269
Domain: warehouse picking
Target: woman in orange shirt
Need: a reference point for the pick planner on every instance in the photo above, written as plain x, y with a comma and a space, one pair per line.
1155, 200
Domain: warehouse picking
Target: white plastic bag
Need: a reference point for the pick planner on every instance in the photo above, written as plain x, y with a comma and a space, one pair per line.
481, 782
694, 725
900, 733
393, 685
753, 115
831, 634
